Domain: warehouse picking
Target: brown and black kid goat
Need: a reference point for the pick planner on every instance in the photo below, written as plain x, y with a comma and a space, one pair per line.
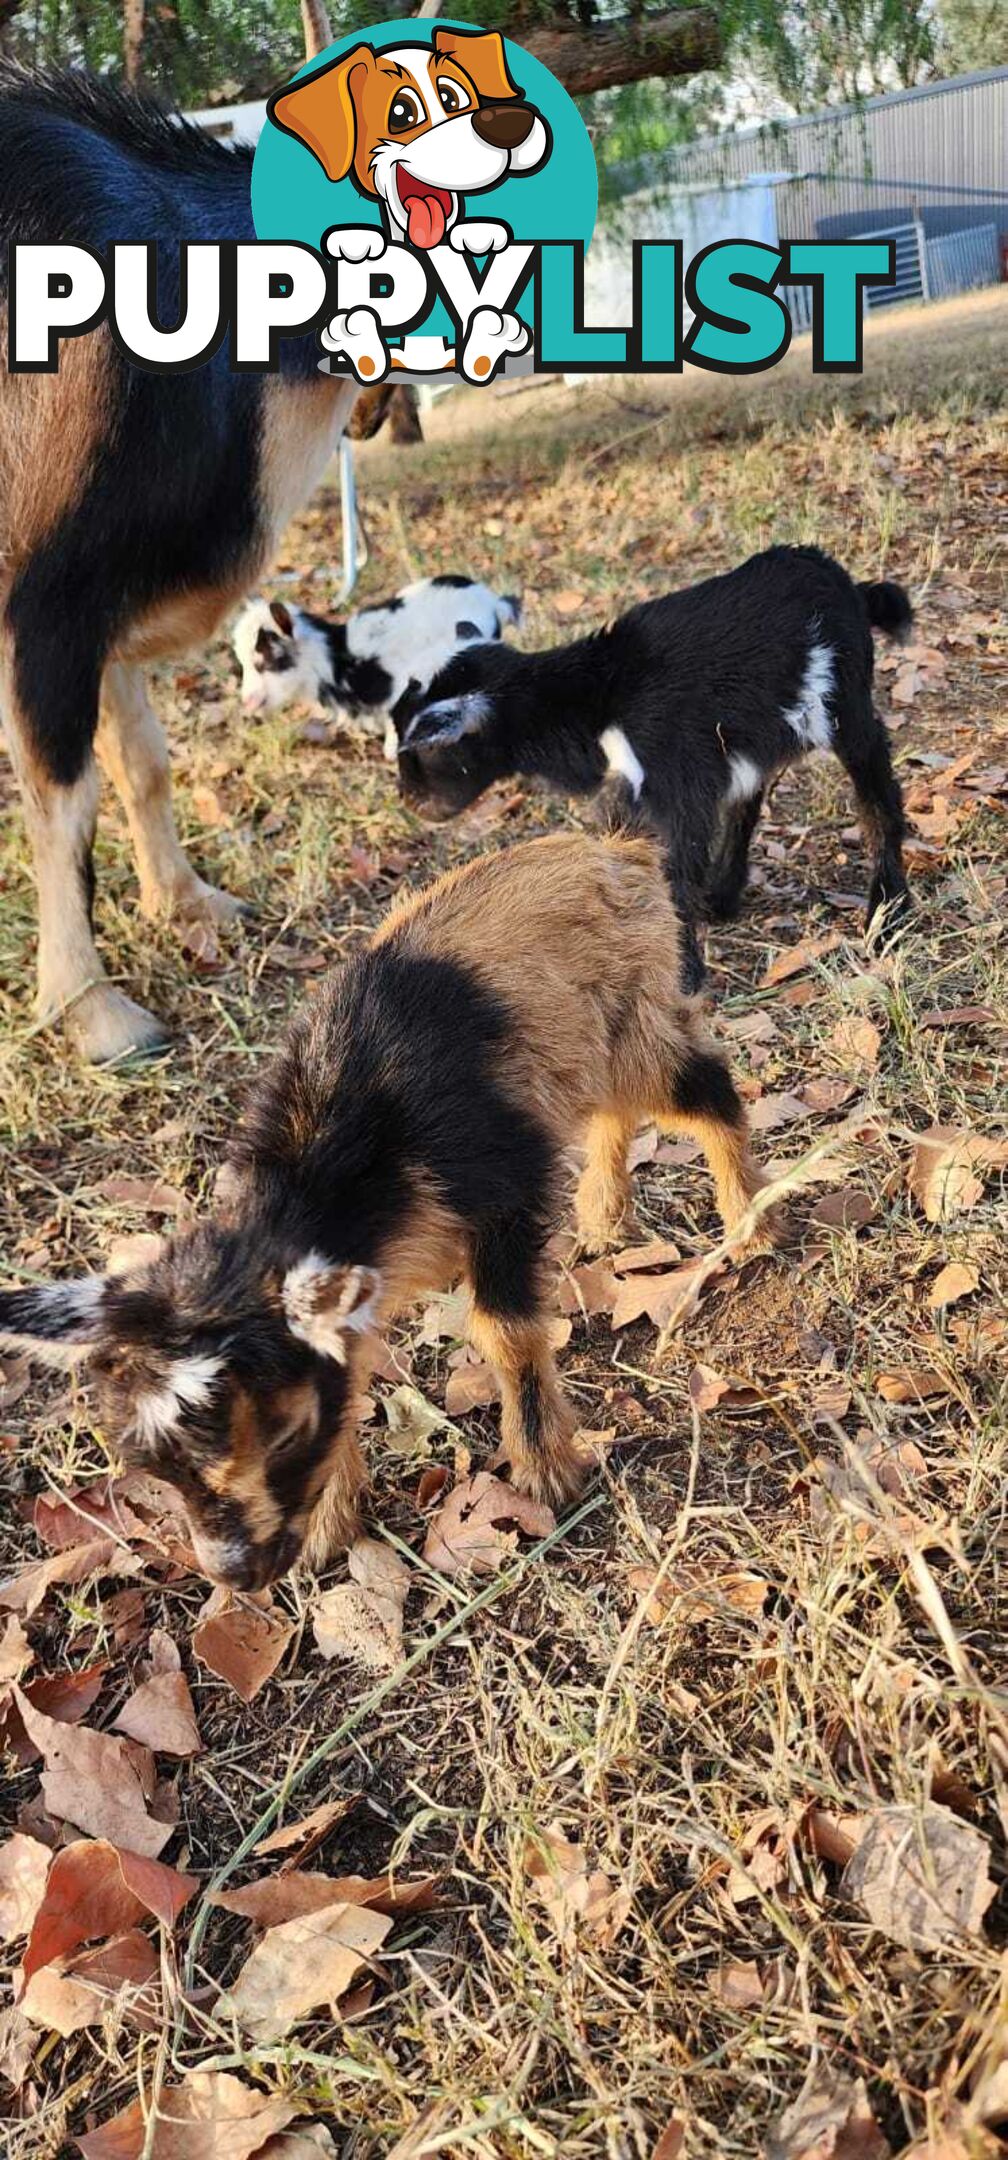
410, 1131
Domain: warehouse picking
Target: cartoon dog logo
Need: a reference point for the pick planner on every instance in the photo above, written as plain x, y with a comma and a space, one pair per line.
418, 127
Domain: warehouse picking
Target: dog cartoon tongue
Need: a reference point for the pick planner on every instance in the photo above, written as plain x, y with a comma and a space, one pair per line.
427, 210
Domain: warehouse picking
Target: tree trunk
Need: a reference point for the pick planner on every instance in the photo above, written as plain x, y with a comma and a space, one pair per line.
133, 41
8, 10
628, 49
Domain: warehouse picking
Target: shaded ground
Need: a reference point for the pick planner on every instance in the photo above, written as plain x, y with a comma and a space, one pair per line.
857, 1488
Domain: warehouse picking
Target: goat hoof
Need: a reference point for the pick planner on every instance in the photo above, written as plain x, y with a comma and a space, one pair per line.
106, 1028
206, 903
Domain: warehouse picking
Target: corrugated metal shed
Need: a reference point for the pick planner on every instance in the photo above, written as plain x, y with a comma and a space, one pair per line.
939, 152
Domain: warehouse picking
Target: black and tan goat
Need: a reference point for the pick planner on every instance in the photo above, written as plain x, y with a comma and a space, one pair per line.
410, 1131
694, 702
135, 510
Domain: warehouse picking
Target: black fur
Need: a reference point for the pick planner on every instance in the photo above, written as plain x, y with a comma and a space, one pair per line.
694, 681
170, 501
355, 685
392, 1070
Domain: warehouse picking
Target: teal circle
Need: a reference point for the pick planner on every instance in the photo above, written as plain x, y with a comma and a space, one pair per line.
292, 199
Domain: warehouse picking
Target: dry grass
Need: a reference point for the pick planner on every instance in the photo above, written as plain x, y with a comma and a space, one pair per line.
868, 1675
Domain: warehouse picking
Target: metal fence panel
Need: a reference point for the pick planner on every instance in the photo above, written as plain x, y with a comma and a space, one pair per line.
959, 261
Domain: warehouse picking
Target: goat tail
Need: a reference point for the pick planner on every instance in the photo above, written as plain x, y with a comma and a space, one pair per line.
888, 608
317, 27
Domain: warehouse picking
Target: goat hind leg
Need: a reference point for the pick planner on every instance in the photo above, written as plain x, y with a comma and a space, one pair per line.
729, 870
883, 822
702, 1101
133, 750
508, 1328
602, 1203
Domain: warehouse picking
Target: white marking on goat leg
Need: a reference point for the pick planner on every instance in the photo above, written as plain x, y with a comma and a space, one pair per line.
622, 758
746, 778
810, 715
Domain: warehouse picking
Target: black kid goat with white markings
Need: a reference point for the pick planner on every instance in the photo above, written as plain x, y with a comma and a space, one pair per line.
694, 703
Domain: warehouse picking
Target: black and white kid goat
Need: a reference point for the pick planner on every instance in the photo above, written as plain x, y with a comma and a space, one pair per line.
695, 703
363, 666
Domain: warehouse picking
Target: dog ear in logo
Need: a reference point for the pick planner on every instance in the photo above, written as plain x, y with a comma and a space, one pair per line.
322, 110
481, 53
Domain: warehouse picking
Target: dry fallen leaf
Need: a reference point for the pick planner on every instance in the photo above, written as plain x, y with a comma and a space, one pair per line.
830, 2120
150, 1195
914, 1384
15, 1650
575, 1899
568, 601
796, 957
823, 1095
658, 1297
656, 1253
25, 1591
769, 1112
470, 1386
242, 1643
298, 1840
672, 2140
275, 1899
24, 1865
738, 1985
69, 1995
302, 1966
160, 1711
209, 2116
472, 1527
363, 1619
846, 1209
98, 1783
700, 1593
857, 1040
93, 1890
921, 1875
942, 1176
709, 1390
955, 1281
589, 1289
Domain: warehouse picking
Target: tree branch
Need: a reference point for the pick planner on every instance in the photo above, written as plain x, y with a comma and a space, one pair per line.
680, 42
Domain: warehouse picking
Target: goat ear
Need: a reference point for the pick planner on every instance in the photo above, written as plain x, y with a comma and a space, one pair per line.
325, 1301
449, 720
282, 617
57, 1323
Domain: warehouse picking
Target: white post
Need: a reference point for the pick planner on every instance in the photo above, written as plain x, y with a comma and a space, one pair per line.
921, 240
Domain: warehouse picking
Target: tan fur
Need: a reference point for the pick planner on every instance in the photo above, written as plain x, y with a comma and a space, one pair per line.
580, 939
50, 428
240, 1475
131, 746
335, 1521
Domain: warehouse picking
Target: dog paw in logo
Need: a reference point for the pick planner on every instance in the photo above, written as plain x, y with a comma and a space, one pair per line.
426, 161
